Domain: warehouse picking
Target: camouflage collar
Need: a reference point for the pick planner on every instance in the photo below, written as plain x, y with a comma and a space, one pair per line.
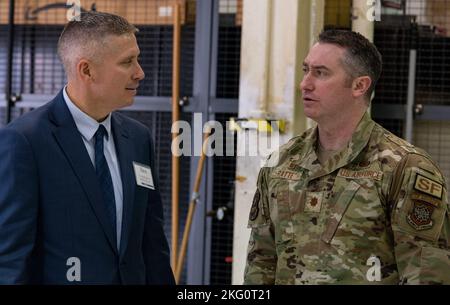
359, 140
360, 137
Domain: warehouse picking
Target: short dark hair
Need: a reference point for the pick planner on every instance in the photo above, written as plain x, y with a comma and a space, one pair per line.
361, 57
88, 35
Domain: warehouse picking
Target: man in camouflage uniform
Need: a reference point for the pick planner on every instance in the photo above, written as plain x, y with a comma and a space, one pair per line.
347, 202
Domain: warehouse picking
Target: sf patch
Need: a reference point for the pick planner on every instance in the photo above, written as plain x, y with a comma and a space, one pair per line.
255, 206
428, 186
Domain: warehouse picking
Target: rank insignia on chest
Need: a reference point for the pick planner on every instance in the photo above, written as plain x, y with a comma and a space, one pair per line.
420, 216
313, 202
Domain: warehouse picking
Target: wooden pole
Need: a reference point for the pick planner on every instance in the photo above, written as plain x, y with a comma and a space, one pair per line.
175, 119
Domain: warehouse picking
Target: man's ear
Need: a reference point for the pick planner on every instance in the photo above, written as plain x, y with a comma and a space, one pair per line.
84, 70
360, 86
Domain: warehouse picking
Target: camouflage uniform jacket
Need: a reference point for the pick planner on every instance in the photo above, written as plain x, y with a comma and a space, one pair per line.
375, 213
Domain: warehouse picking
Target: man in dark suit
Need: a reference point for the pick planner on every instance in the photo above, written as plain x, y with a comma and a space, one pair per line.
79, 197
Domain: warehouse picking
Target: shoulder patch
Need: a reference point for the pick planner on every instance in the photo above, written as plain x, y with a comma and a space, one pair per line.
254, 211
420, 216
428, 186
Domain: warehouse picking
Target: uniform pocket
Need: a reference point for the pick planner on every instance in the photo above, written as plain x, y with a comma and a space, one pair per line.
338, 211
289, 203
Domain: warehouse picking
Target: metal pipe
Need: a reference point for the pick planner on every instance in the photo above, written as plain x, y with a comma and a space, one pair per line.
175, 119
192, 205
264, 107
411, 98
8, 85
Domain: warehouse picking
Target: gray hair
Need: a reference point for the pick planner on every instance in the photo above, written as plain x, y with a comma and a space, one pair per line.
361, 57
88, 36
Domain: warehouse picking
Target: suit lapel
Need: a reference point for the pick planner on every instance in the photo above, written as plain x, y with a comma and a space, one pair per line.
125, 156
70, 141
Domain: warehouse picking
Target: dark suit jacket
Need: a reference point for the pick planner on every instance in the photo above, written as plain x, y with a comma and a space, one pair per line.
51, 205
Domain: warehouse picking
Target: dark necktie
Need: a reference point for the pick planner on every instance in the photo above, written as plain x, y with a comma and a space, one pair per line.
104, 176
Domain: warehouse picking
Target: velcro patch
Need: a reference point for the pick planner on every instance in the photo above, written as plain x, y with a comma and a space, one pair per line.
420, 216
313, 202
361, 174
417, 196
428, 186
286, 174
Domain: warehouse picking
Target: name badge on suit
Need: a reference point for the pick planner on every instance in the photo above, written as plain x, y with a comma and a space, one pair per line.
143, 175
